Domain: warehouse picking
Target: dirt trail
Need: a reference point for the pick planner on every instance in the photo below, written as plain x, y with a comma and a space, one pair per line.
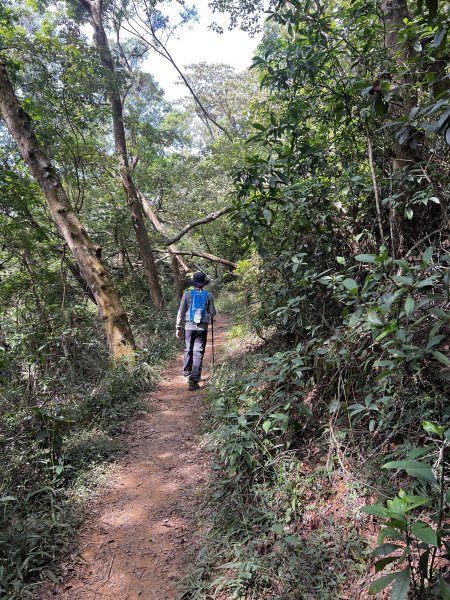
137, 538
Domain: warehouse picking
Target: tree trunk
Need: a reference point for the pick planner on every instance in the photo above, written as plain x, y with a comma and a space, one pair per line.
114, 318
77, 274
94, 8
394, 13
178, 279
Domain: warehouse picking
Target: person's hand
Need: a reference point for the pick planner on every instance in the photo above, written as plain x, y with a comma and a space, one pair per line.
179, 334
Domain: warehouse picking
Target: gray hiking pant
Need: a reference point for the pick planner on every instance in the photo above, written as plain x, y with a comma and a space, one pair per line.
195, 345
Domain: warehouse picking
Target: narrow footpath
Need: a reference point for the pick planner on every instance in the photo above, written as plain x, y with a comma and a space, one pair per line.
138, 538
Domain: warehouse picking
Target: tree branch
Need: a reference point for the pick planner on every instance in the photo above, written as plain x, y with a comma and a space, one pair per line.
205, 255
211, 217
134, 162
159, 47
426, 237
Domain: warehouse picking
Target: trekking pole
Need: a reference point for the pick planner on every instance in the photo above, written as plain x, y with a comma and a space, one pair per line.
212, 341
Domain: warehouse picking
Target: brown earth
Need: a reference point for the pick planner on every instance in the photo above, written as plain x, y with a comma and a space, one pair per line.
139, 536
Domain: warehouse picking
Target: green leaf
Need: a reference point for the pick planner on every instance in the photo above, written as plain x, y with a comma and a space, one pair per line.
373, 318
403, 280
375, 509
434, 341
293, 540
267, 425
444, 589
408, 213
384, 363
385, 549
354, 318
351, 285
430, 427
441, 358
304, 408
404, 464
259, 127
399, 524
356, 409
413, 467
52, 576
423, 562
279, 416
390, 327
409, 305
439, 37
267, 215
438, 312
278, 529
367, 258
401, 585
416, 452
379, 585
425, 283
424, 533
427, 255
447, 136
380, 106
390, 533
380, 564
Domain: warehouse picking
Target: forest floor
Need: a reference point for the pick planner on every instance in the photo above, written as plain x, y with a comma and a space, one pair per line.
139, 535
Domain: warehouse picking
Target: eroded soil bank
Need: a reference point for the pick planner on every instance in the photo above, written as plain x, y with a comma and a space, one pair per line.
139, 537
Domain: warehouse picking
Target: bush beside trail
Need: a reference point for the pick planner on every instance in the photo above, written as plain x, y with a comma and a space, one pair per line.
331, 474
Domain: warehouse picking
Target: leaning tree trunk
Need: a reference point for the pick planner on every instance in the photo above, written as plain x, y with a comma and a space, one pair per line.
114, 318
94, 7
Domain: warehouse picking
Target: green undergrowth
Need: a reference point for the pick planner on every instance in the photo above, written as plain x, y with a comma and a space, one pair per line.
280, 513
58, 431
331, 440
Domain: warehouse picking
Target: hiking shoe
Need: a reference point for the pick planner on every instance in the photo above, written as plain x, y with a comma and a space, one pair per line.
193, 386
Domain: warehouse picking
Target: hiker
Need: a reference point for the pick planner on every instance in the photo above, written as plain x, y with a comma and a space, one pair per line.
196, 308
